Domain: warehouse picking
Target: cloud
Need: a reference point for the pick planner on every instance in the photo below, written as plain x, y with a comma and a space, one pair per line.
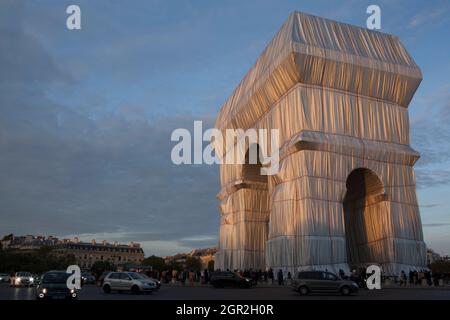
431, 205
431, 137
434, 225
91, 171
430, 15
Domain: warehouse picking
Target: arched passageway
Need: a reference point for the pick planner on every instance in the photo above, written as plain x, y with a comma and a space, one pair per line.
362, 207
252, 171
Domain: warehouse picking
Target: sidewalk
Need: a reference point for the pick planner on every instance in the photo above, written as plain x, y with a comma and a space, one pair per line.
262, 284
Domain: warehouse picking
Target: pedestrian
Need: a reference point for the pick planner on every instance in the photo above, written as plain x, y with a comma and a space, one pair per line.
280, 277
271, 276
191, 278
174, 275
206, 276
403, 278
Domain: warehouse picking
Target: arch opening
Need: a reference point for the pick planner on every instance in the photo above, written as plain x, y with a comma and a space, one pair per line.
252, 171
362, 210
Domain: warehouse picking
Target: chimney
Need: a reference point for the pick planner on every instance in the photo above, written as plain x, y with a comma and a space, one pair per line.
93, 241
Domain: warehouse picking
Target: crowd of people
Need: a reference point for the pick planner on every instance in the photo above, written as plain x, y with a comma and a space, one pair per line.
182, 276
271, 277
415, 278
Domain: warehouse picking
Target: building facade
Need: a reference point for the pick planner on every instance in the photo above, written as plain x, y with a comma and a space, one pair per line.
87, 253
344, 195
28, 242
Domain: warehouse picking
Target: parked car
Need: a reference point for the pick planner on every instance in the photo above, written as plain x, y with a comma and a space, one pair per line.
87, 278
54, 286
4, 277
320, 281
21, 279
128, 281
230, 279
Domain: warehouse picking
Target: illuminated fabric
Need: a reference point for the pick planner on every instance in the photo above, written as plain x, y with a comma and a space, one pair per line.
345, 193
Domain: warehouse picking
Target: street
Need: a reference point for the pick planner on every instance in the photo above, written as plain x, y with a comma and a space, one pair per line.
91, 292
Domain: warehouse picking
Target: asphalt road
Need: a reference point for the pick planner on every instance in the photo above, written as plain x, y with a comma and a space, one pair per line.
208, 293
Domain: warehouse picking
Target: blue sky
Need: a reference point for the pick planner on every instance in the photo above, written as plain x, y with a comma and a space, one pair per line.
86, 115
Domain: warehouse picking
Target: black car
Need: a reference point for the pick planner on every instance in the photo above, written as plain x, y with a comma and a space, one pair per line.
230, 279
87, 278
321, 281
54, 286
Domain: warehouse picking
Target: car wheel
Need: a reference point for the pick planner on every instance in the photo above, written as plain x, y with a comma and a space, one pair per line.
303, 290
106, 288
345, 291
135, 289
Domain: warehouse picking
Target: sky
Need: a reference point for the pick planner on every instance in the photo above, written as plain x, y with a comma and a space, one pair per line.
86, 115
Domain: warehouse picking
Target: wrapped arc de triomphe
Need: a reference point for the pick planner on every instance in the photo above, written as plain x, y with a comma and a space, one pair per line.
345, 192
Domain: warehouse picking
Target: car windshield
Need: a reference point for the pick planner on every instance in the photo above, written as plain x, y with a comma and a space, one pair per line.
23, 274
55, 277
135, 275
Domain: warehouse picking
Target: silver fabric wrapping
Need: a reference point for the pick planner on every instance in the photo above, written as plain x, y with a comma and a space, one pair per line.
338, 95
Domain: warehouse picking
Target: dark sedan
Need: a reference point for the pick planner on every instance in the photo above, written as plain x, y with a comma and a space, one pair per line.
230, 279
54, 286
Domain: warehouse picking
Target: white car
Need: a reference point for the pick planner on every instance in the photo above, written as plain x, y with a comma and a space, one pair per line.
22, 279
128, 281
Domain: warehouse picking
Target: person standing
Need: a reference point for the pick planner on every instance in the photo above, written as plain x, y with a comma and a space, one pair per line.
403, 278
206, 276
174, 275
271, 275
280, 277
191, 278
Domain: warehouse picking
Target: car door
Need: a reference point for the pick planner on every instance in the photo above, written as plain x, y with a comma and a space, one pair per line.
313, 280
114, 280
125, 281
329, 283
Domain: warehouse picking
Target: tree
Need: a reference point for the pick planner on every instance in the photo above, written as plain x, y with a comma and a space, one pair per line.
157, 263
173, 264
8, 237
440, 266
211, 265
34, 262
101, 266
193, 263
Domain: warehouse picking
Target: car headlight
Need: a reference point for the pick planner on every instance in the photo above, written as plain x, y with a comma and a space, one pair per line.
44, 290
72, 290
31, 279
18, 279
